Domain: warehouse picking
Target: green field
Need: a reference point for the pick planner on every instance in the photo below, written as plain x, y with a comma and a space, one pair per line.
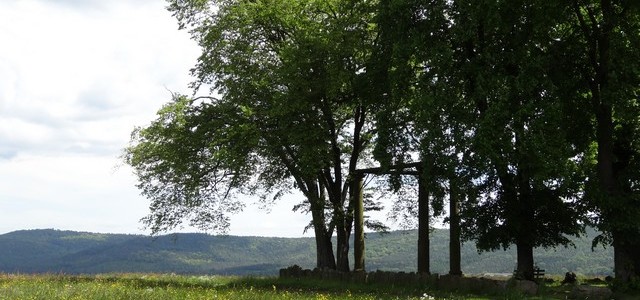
148, 286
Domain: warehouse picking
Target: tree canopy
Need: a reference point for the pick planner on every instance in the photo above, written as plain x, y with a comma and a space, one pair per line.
292, 111
525, 111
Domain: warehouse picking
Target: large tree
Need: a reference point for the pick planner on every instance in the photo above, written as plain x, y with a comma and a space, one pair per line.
471, 76
292, 109
598, 67
528, 172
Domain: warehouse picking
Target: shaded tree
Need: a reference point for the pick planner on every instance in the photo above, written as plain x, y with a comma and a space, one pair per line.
596, 50
471, 76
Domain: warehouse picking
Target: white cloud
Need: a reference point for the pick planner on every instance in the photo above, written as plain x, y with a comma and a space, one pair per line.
75, 77
74, 192
68, 68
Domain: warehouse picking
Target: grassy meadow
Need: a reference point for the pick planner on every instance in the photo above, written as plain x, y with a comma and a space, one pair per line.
150, 286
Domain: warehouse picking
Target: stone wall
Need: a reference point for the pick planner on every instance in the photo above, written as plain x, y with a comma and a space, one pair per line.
474, 285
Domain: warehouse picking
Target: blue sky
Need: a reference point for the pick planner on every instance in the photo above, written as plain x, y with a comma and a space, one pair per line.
75, 77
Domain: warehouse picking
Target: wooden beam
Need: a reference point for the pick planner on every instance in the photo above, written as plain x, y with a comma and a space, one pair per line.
394, 169
414, 168
375, 171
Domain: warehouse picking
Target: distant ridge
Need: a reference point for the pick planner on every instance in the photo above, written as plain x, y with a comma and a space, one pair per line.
56, 251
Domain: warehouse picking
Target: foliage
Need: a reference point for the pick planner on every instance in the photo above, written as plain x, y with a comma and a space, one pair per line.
190, 169
468, 90
292, 113
596, 46
528, 108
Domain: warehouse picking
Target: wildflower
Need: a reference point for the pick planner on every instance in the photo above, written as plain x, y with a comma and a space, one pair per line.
426, 296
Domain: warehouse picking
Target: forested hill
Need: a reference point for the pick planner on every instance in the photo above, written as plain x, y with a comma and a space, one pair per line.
38, 251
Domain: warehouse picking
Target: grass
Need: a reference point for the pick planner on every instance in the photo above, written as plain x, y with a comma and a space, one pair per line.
153, 286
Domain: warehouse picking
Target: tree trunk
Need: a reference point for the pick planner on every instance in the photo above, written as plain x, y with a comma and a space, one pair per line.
343, 229
358, 244
342, 250
623, 259
423, 227
324, 247
626, 259
343, 233
324, 250
525, 219
623, 254
525, 233
454, 230
525, 260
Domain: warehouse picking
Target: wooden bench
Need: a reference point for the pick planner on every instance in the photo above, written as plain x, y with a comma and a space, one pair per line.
537, 273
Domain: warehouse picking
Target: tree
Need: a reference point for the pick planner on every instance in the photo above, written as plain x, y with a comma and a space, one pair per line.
402, 138
292, 88
529, 174
173, 161
473, 81
596, 49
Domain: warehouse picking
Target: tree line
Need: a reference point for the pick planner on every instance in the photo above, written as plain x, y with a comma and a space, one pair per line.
523, 114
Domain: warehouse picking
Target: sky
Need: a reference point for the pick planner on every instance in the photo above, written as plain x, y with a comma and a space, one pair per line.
76, 76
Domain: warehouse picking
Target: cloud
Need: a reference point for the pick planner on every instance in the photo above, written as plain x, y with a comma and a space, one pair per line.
80, 5
7, 153
75, 71
69, 192
76, 76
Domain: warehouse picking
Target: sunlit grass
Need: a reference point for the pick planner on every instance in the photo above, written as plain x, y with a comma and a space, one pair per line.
151, 286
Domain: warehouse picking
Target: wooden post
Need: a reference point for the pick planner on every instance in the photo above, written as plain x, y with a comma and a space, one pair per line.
358, 243
423, 227
423, 213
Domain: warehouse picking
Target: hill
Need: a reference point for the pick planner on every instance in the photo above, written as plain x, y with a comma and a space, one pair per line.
54, 251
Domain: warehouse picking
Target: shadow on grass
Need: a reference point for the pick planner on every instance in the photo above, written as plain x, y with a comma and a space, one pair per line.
306, 286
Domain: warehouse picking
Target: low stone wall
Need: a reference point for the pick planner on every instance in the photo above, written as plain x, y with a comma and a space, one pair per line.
440, 282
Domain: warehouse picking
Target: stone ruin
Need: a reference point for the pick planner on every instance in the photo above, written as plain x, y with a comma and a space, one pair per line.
476, 285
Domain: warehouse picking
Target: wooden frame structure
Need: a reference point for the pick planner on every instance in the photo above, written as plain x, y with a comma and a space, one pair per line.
415, 169
423, 213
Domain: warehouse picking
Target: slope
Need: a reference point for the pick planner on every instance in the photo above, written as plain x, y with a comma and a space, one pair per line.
40, 251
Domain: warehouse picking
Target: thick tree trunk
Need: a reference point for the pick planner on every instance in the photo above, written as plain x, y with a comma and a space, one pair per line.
624, 265
525, 219
342, 250
454, 230
625, 259
342, 225
525, 260
324, 250
358, 243
525, 233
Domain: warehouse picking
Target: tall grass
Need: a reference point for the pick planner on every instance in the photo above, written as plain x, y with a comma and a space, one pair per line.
151, 286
